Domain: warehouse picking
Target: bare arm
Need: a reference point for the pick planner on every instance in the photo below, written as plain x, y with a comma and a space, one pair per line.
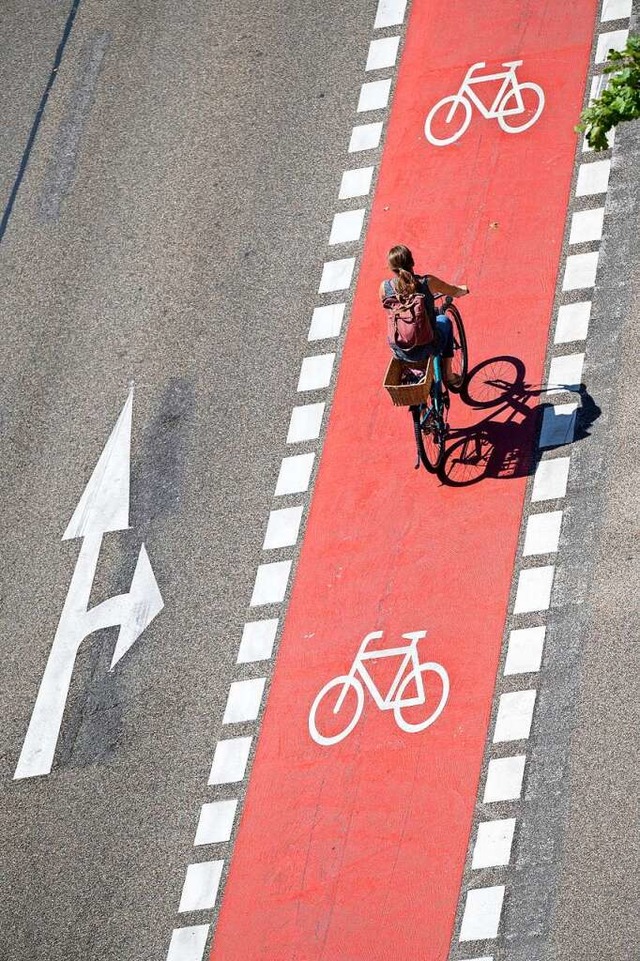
437, 286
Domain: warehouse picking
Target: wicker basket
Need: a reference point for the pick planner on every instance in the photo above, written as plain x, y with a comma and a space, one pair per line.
406, 395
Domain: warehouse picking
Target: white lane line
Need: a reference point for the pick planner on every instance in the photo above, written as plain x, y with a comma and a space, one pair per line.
315, 372
282, 528
493, 843
515, 716
524, 654
504, 779
383, 53
346, 226
374, 95
586, 226
305, 423
326, 322
244, 700
390, 13
616, 10
482, 910
216, 822
258, 638
593, 178
188, 944
295, 474
550, 481
200, 887
543, 533
230, 760
336, 275
580, 271
534, 589
356, 183
558, 425
365, 136
485, 957
565, 373
597, 86
614, 40
573, 322
271, 583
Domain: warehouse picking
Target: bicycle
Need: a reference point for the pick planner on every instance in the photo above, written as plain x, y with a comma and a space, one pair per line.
428, 400
358, 678
501, 108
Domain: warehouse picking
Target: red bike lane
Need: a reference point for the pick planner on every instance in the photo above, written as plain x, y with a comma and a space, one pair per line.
355, 850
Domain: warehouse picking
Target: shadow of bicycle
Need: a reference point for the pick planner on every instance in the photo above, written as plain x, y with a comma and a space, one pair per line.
502, 444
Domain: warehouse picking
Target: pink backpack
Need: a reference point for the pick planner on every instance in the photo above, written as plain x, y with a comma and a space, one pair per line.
408, 323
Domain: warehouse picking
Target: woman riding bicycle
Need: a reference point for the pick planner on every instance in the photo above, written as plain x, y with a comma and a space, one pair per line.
405, 285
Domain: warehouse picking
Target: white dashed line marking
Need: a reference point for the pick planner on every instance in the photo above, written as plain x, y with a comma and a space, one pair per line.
524, 654
565, 373
356, 183
244, 700
543, 533
200, 888
365, 137
593, 178
615, 40
258, 638
515, 716
586, 226
305, 423
336, 275
374, 95
383, 53
558, 425
616, 10
188, 944
216, 822
580, 271
493, 843
504, 779
390, 13
282, 528
573, 322
230, 760
271, 583
550, 481
482, 910
326, 322
346, 227
534, 590
295, 474
315, 373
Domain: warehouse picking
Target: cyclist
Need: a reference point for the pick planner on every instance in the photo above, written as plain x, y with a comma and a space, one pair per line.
404, 285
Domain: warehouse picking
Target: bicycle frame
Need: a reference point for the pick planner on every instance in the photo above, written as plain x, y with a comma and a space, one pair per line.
410, 652
509, 79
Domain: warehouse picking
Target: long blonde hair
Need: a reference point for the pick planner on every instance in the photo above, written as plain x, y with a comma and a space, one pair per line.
401, 263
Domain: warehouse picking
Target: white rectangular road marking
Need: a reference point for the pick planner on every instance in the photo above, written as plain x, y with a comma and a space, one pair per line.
315, 373
200, 887
616, 10
326, 322
615, 40
597, 86
374, 95
282, 528
356, 183
383, 53
482, 910
573, 322
534, 589
365, 136
295, 473
346, 226
543, 533
336, 275
243, 701
230, 760
524, 654
485, 957
271, 583
558, 425
586, 226
580, 271
565, 373
216, 822
515, 715
550, 481
305, 423
504, 779
258, 638
493, 843
188, 944
593, 178
390, 13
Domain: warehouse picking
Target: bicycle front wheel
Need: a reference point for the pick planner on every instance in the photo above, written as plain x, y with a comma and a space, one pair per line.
436, 690
445, 126
513, 120
460, 360
327, 724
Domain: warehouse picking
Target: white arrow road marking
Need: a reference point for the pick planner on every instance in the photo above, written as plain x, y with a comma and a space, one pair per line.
104, 506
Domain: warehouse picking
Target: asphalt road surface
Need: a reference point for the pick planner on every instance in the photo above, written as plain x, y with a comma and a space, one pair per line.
168, 229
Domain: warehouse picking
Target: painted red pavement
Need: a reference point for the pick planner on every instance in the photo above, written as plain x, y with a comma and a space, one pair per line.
355, 852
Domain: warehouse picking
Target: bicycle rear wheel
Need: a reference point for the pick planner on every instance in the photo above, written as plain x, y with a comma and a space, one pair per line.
430, 430
460, 361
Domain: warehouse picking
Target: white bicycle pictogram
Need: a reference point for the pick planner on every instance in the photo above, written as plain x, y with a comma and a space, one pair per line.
508, 104
410, 670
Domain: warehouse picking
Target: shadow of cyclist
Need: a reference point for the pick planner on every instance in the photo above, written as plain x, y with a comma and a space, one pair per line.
501, 444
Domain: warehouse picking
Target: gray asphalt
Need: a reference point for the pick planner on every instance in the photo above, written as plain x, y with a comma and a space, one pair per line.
188, 160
